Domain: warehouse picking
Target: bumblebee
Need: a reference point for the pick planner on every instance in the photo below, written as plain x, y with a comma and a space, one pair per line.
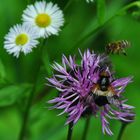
103, 92
117, 47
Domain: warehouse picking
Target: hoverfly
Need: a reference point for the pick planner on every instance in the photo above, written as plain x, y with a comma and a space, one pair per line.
117, 47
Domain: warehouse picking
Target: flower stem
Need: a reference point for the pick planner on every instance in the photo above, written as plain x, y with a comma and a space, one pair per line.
70, 130
28, 107
84, 137
22, 134
26, 115
123, 126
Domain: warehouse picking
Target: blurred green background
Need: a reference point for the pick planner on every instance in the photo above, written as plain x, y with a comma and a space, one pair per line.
17, 76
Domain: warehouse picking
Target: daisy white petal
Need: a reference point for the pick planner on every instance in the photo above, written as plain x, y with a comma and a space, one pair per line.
21, 38
46, 17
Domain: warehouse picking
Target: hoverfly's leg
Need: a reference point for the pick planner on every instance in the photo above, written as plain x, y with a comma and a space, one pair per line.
116, 51
112, 51
123, 51
119, 51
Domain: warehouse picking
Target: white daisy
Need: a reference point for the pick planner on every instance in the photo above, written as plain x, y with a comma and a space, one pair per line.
47, 17
21, 38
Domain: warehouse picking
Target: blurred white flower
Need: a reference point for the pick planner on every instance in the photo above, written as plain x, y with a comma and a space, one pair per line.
89, 1
21, 38
47, 17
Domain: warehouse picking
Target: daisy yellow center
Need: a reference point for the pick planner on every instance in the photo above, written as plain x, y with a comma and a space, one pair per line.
43, 20
21, 39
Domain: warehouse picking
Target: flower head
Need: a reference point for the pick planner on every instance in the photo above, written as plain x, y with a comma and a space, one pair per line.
21, 38
89, 88
46, 17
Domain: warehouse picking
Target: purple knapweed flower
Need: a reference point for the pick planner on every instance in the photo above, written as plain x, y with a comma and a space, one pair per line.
88, 88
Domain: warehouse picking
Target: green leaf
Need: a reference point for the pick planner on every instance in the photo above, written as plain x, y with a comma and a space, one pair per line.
136, 15
10, 94
100, 11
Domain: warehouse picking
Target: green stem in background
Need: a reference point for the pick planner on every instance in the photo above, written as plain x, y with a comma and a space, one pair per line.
46, 62
121, 12
67, 5
123, 126
45, 58
23, 130
26, 115
22, 134
70, 130
86, 128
